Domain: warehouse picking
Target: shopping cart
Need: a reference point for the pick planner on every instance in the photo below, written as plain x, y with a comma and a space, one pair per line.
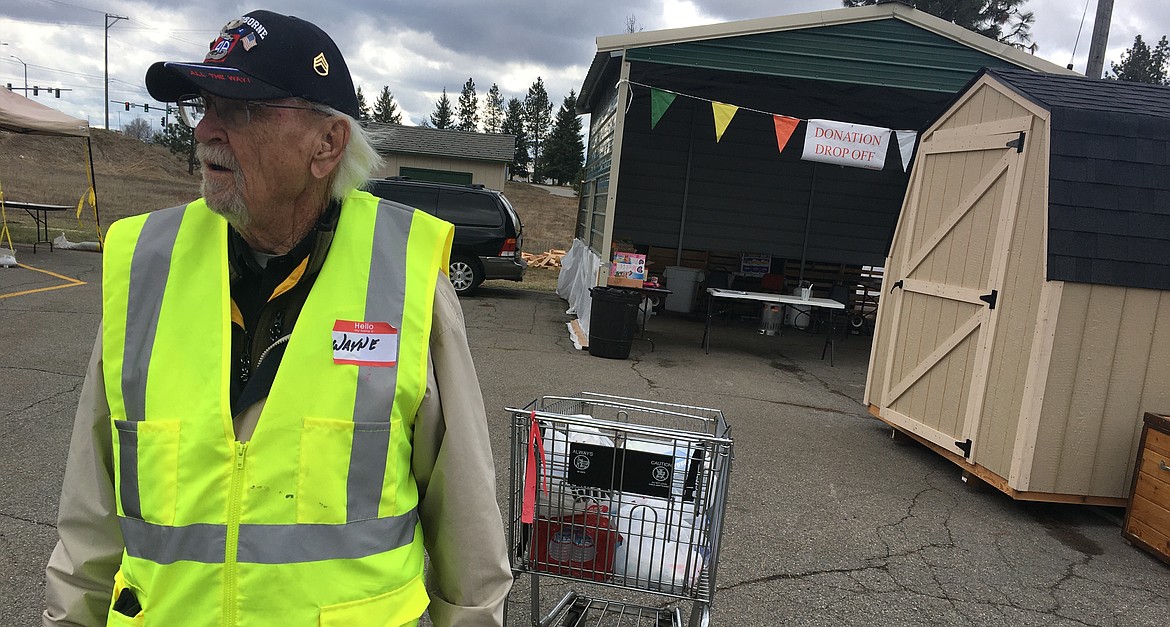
619, 493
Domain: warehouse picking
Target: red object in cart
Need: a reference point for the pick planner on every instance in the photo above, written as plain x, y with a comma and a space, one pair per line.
580, 546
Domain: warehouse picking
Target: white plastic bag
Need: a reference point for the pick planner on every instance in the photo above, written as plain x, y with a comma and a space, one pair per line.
654, 552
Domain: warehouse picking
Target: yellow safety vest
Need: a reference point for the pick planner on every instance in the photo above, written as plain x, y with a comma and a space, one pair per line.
313, 521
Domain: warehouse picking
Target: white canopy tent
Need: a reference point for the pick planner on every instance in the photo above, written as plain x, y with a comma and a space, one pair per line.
19, 114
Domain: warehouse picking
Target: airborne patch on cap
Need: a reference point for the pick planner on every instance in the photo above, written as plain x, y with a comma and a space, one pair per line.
320, 65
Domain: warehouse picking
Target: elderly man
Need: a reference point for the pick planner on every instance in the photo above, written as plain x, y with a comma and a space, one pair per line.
281, 412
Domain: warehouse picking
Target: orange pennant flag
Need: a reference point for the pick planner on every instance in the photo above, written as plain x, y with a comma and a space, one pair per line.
784, 128
723, 115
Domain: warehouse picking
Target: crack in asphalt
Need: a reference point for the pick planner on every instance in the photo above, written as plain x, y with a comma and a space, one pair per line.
76, 387
29, 520
43, 371
887, 563
634, 363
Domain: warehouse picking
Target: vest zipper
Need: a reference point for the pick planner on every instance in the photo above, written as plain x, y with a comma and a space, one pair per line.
233, 536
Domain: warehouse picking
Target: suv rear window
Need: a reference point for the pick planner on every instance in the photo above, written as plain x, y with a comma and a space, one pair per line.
469, 208
411, 196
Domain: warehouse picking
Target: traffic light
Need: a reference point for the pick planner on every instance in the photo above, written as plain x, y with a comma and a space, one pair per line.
146, 108
127, 106
57, 93
35, 89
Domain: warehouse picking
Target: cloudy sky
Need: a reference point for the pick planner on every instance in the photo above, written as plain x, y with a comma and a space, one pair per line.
420, 48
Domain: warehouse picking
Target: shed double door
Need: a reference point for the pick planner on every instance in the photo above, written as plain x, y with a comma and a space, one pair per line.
945, 280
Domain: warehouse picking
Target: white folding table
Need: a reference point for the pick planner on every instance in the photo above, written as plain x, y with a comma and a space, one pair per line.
765, 297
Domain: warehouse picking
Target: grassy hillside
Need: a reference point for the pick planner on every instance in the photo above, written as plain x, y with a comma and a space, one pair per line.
133, 177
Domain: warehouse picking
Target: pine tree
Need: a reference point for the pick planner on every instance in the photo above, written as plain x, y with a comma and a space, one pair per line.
1001, 20
513, 124
1142, 65
363, 107
467, 115
493, 115
442, 117
385, 109
564, 150
537, 119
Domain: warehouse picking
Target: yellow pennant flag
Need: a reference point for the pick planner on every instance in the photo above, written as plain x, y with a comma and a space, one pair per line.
723, 115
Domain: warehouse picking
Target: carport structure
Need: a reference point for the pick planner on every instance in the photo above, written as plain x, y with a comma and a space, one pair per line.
673, 185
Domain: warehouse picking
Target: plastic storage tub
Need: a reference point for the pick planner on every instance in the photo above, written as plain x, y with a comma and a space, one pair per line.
682, 282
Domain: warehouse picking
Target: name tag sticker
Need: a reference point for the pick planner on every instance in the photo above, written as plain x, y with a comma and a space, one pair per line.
365, 343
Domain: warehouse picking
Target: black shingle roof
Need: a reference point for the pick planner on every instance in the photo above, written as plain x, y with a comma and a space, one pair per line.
399, 139
1109, 177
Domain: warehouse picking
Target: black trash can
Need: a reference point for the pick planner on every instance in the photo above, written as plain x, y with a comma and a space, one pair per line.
613, 321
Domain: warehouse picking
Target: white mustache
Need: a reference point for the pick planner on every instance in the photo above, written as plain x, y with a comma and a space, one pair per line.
216, 154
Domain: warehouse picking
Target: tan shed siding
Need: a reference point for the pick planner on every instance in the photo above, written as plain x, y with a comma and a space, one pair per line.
486, 173
1110, 363
1018, 307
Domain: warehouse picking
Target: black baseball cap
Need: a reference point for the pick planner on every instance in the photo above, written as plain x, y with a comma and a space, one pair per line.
262, 56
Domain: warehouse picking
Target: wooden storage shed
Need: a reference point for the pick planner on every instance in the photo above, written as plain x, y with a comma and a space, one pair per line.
1024, 326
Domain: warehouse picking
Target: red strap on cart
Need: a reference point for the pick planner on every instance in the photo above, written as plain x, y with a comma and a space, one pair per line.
535, 444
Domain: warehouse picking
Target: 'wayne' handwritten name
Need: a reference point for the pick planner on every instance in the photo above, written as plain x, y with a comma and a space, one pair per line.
352, 345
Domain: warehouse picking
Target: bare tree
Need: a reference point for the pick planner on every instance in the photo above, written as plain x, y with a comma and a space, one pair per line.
632, 25
139, 129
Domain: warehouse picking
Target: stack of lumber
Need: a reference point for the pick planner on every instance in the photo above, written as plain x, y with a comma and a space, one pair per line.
547, 259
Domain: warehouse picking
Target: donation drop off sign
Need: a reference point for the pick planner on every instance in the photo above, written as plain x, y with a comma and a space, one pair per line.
853, 145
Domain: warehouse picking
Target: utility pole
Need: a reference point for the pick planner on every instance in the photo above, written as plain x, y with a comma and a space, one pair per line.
108, 25
1100, 39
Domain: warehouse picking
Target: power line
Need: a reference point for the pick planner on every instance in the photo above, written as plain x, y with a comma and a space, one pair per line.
74, 6
1078, 39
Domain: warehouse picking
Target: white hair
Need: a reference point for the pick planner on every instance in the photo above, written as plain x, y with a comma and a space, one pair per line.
359, 161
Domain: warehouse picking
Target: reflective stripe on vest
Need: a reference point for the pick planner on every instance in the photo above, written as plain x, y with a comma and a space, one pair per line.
326, 478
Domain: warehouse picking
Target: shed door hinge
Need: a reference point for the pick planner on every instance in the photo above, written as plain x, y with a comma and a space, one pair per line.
1018, 143
990, 298
965, 447
897, 284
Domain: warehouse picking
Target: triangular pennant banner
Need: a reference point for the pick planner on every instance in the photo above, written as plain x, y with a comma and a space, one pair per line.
723, 115
660, 101
784, 127
906, 141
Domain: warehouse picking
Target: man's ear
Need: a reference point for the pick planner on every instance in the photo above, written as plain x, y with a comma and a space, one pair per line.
331, 146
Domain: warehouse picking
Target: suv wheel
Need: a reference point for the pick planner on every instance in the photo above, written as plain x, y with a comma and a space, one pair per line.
465, 274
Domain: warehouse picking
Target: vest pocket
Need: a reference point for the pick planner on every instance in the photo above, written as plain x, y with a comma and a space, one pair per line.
402, 606
148, 469
116, 618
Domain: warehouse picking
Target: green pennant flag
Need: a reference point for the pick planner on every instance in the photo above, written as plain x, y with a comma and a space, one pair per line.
660, 101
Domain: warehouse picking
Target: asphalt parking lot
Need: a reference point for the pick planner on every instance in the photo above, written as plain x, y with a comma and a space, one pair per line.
830, 520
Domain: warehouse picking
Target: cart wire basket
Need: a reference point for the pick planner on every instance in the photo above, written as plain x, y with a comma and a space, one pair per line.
622, 494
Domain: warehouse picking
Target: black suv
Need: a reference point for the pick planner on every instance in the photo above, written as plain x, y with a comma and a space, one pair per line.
488, 232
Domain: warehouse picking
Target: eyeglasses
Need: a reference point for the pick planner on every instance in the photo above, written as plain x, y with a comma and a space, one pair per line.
232, 113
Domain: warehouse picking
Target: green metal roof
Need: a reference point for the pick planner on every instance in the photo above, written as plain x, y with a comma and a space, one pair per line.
884, 45
888, 52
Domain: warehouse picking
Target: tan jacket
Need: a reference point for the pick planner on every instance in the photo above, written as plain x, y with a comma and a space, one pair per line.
469, 574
